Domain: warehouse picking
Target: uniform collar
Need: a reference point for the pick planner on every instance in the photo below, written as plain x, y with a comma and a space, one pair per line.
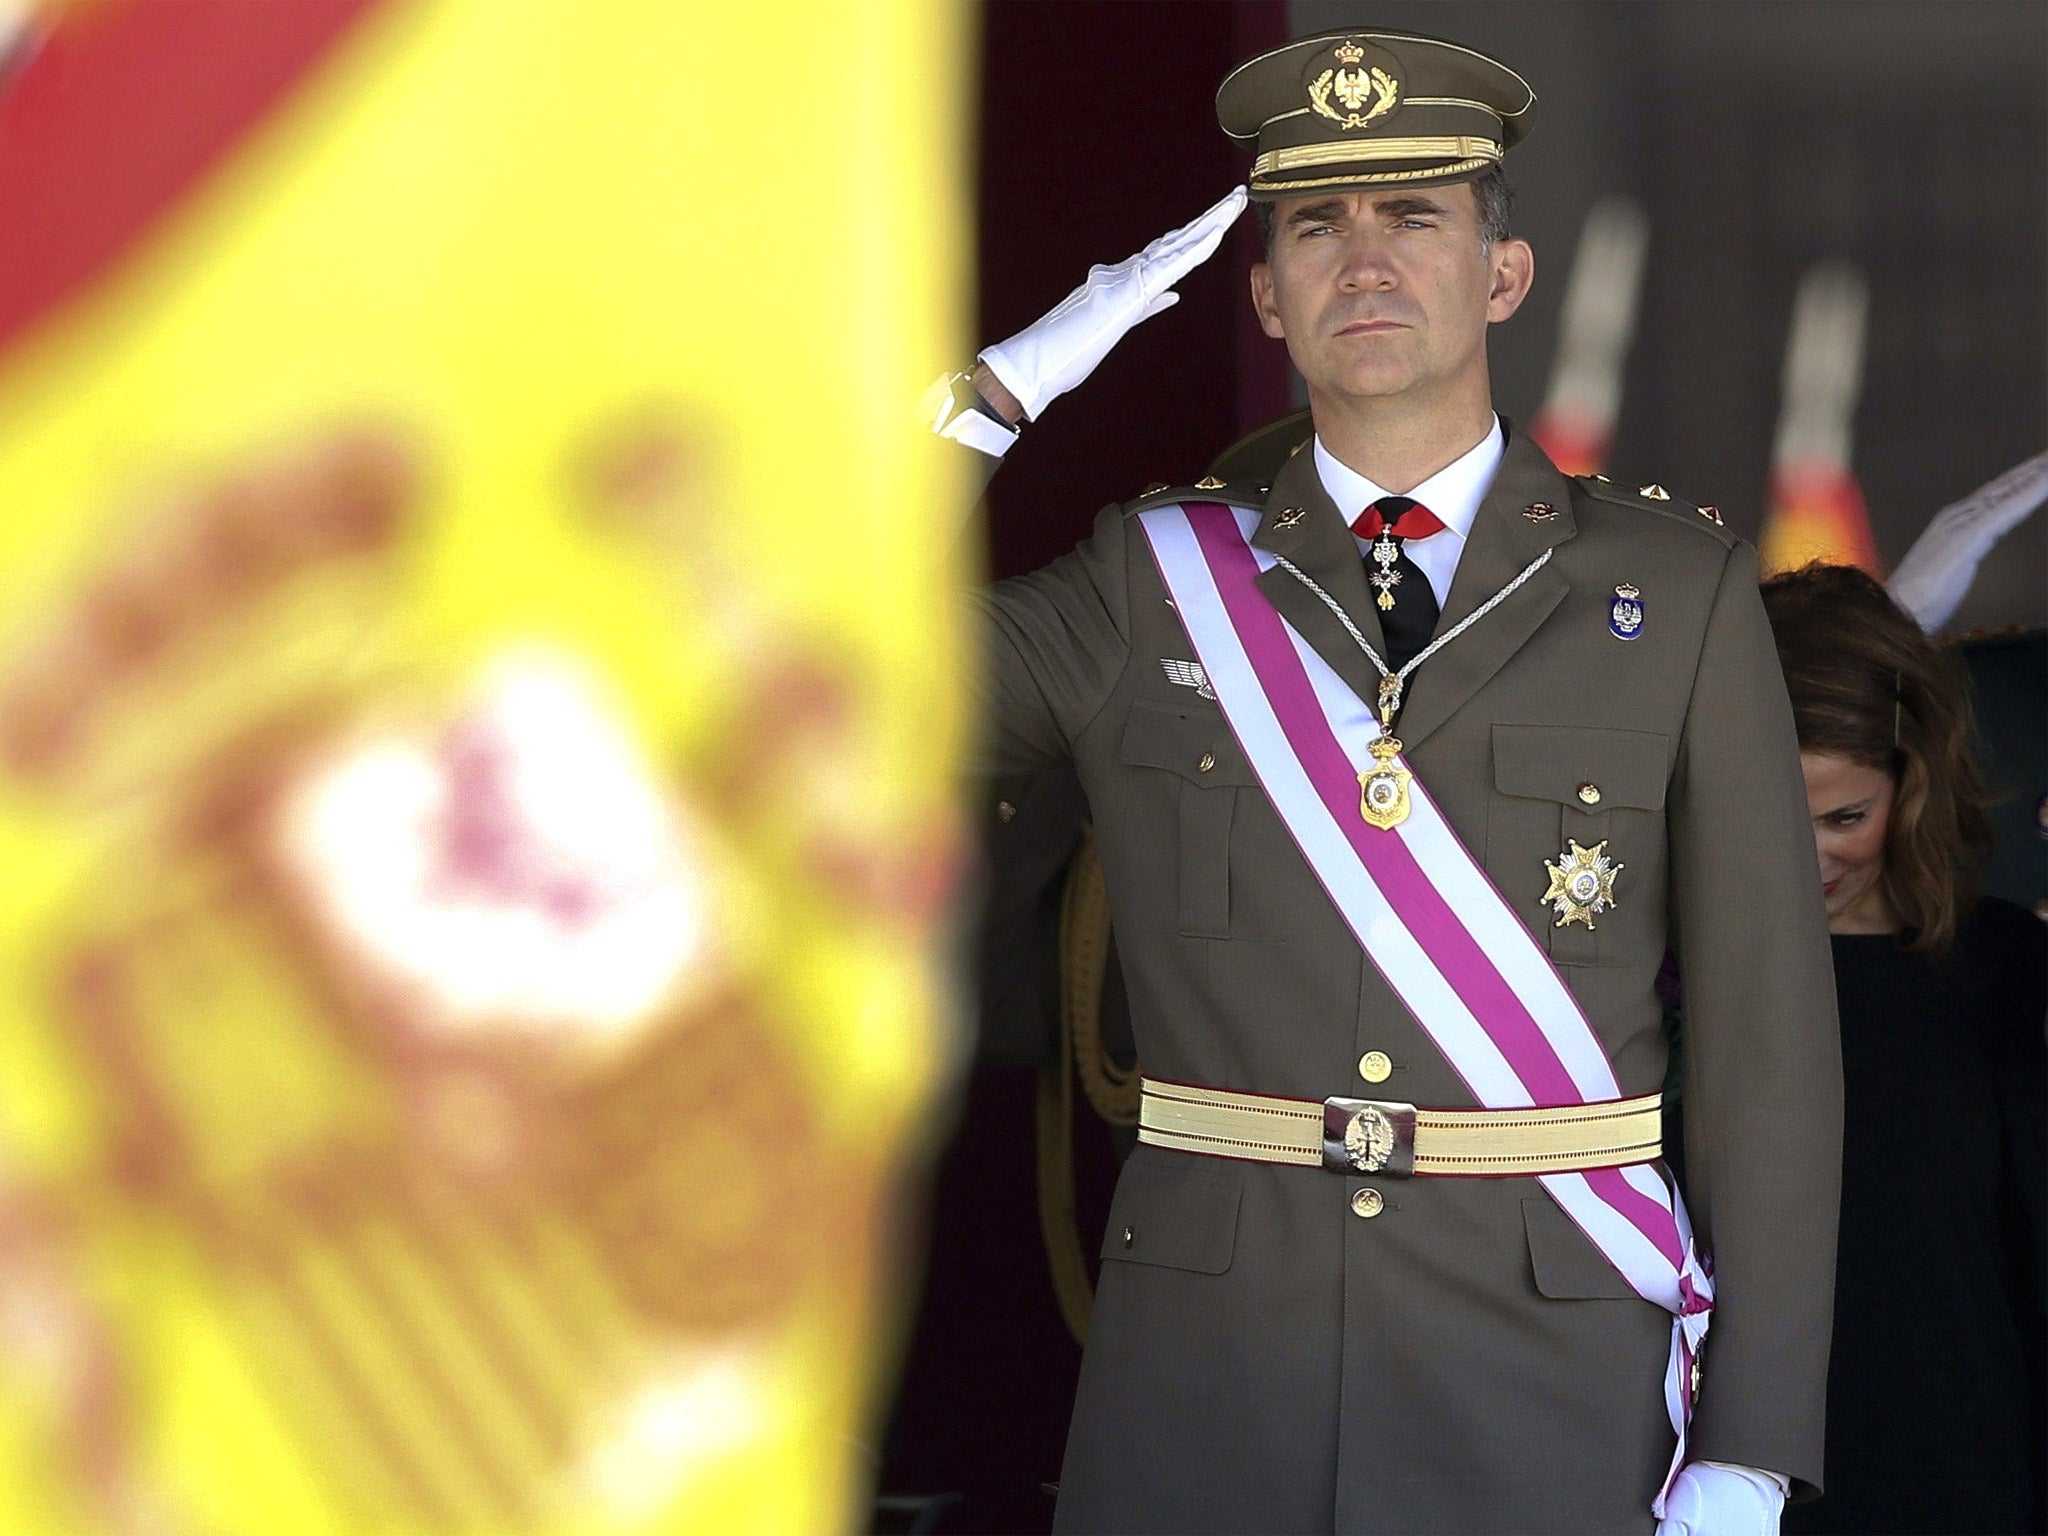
1453, 493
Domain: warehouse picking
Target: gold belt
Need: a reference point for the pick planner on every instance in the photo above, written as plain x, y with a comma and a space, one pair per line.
1385, 1136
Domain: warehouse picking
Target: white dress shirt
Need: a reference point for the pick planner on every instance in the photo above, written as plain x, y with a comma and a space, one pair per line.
1453, 493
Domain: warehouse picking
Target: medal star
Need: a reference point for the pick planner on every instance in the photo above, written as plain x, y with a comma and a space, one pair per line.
1582, 884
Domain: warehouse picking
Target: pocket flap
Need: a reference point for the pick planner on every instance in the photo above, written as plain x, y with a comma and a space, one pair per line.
1176, 1210
1180, 742
1551, 762
1567, 1265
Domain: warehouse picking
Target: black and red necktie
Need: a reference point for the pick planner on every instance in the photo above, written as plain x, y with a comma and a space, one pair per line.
1408, 608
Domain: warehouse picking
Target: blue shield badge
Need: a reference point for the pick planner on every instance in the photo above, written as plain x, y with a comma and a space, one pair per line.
1625, 617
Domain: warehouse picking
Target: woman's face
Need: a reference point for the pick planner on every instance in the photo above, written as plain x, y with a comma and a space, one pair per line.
1851, 806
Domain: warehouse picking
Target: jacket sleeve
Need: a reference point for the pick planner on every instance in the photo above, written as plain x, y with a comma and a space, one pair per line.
1055, 643
1762, 1051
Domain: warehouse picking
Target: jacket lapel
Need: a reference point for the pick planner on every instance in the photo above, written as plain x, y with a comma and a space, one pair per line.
1304, 525
1503, 541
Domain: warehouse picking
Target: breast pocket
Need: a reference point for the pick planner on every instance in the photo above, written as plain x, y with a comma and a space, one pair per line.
1558, 788
1204, 771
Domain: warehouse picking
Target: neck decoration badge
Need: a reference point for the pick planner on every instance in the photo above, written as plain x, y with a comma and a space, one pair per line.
1384, 553
1383, 788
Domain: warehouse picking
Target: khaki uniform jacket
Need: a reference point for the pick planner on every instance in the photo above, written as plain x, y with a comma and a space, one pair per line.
1262, 1359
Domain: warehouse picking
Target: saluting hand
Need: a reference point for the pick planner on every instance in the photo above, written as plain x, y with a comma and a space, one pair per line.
1054, 353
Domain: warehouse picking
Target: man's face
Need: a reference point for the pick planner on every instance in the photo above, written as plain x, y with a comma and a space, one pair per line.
1381, 294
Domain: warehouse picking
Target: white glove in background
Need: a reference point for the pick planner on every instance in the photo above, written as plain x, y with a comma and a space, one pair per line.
1717, 1498
1053, 354
1935, 576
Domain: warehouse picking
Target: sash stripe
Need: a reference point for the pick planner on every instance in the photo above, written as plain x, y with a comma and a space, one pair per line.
1446, 940
1429, 917
1473, 1054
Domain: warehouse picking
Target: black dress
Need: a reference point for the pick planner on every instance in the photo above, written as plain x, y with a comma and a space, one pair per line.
1935, 1387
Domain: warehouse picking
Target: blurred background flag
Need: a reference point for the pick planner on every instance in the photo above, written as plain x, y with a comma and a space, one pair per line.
477, 718
1816, 509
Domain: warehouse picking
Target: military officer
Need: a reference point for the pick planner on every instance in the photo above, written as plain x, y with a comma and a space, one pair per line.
1406, 768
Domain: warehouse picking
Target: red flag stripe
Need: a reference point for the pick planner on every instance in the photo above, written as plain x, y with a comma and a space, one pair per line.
120, 113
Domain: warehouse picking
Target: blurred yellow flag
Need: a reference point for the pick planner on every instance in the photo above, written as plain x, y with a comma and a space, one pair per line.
475, 738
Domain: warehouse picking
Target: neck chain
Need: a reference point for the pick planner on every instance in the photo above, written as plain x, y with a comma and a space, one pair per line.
1392, 682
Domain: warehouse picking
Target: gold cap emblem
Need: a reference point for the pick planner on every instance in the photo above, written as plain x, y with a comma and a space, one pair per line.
1363, 94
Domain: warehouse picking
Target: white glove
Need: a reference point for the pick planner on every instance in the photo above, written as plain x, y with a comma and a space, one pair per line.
1718, 1498
1933, 579
1053, 354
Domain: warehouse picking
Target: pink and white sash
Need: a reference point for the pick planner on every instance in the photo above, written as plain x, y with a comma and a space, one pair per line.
1425, 912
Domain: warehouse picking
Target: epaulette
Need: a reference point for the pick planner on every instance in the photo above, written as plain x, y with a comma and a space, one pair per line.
1235, 493
1654, 498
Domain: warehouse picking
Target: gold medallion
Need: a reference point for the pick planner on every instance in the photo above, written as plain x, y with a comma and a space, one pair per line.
1383, 788
1581, 883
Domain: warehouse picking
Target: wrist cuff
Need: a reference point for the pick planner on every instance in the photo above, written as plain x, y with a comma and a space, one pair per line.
954, 409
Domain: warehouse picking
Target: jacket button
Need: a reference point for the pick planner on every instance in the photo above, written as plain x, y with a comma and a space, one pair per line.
1375, 1066
1130, 1237
1005, 811
1590, 792
1208, 761
1367, 1202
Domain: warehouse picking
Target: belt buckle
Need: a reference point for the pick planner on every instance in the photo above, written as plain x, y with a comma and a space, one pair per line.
1369, 1136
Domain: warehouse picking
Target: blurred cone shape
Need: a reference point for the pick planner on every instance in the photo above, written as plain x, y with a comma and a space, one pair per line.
476, 729
1575, 424
1815, 508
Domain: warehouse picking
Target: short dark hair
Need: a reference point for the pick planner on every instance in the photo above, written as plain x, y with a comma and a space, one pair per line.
1867, 685
1490, 189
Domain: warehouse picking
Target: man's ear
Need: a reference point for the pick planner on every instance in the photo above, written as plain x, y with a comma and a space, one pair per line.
1512, 271
1262, 301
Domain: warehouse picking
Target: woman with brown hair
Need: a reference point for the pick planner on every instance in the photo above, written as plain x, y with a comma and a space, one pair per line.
1935, 1388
